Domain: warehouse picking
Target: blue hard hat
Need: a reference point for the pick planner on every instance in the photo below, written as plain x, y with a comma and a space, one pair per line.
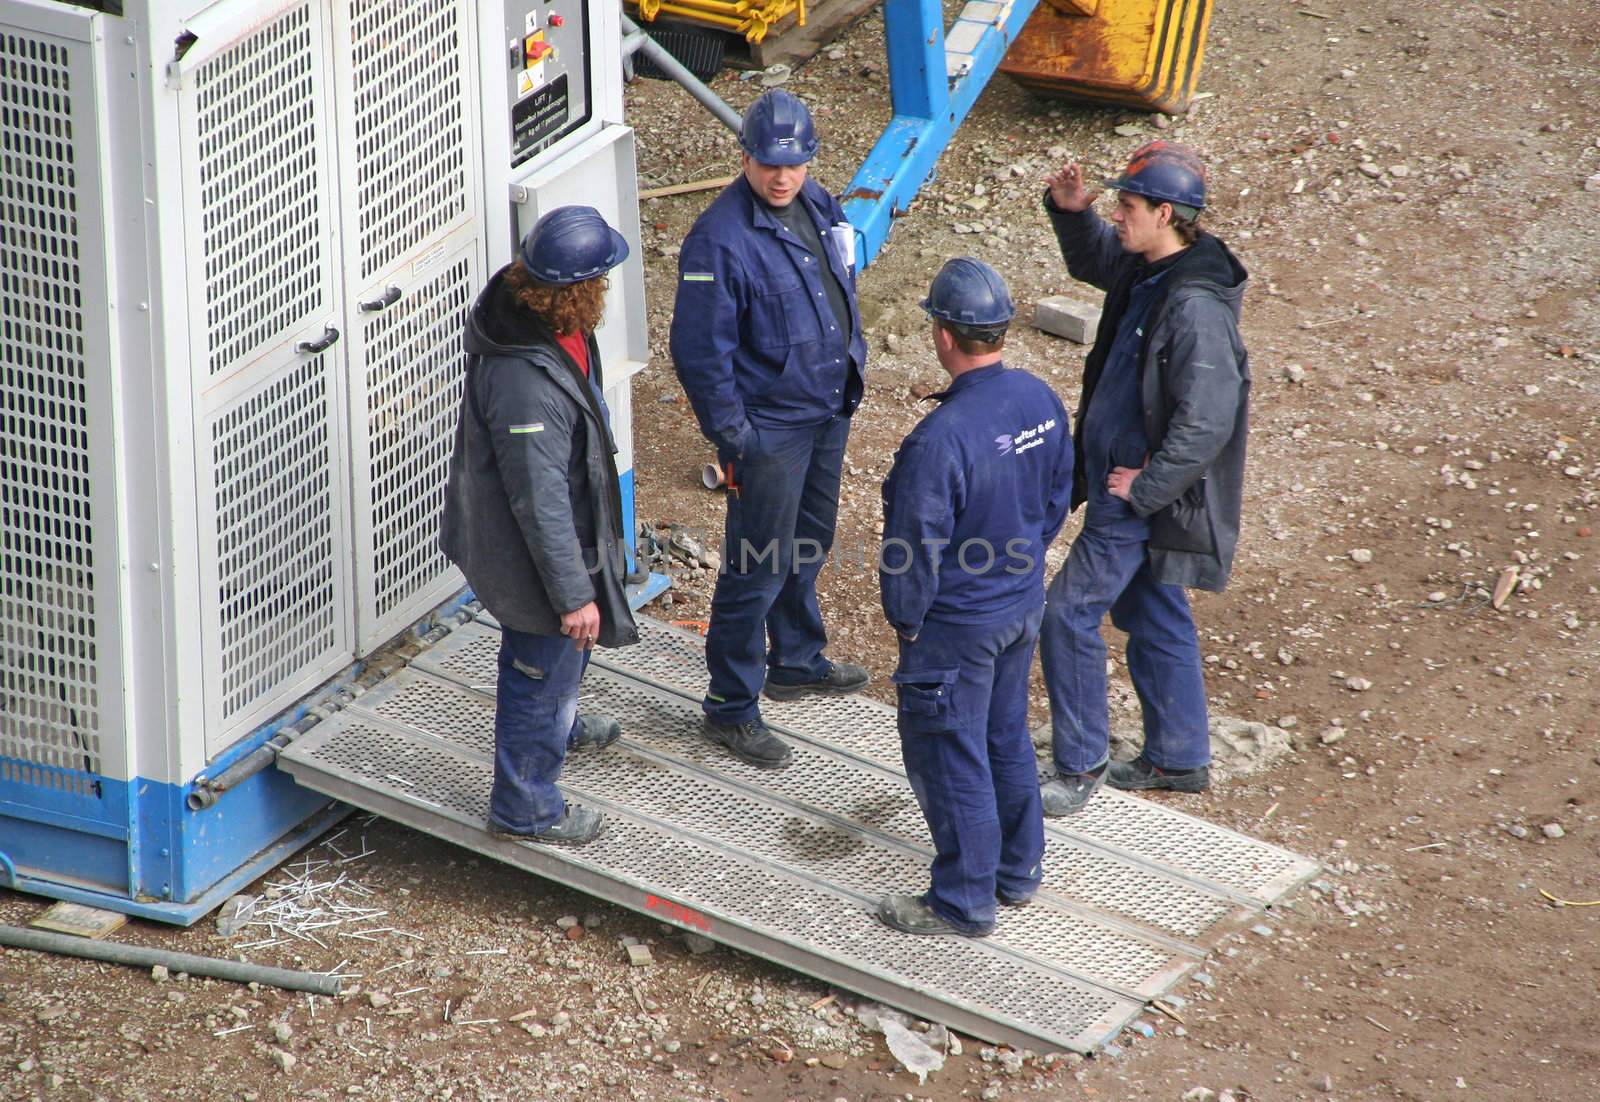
1168, 172
777, 130
970, 296
570, 245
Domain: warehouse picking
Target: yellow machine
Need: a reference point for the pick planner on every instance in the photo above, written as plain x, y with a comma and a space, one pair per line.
1142, 53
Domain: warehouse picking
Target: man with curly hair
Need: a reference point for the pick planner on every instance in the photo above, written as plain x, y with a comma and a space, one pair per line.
533, 512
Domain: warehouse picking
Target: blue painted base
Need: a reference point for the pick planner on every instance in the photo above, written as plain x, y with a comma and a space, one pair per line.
186, 914
648, 590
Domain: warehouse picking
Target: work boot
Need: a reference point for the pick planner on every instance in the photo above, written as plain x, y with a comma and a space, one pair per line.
751, 742
1140, 774
910, 915
577, 826
841, 678
1069, 793
595, 733
1006, 899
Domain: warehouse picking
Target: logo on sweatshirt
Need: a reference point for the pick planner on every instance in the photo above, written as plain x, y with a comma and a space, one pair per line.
1019, 442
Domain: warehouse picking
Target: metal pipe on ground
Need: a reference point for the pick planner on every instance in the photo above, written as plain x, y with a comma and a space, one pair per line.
139, 956
675, 69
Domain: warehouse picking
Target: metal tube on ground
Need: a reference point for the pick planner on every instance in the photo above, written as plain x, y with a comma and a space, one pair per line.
139, 956
675, 69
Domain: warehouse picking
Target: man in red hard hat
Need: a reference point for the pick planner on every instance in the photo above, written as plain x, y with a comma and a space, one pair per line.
1160, 432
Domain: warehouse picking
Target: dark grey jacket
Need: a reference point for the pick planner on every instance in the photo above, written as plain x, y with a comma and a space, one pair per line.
532, 510
1195, 386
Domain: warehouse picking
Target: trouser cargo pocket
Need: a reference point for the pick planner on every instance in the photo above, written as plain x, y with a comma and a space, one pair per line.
927, 699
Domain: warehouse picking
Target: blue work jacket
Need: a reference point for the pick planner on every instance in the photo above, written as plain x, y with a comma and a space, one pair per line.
976, 494
754, 338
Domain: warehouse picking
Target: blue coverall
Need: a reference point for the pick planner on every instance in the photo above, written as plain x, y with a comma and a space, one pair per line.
773, 377
976, 494
1108, 570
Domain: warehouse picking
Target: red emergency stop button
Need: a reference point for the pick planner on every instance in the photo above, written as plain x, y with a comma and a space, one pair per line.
558, 20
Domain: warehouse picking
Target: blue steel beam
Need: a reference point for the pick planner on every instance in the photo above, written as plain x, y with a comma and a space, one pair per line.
934, 79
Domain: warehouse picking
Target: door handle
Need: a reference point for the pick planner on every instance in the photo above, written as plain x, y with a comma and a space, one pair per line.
389, 297
330, 336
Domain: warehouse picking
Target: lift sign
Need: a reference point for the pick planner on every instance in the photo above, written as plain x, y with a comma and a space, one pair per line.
537, 117
677, 912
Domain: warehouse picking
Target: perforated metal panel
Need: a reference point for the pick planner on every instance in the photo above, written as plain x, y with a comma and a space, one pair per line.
412, 377
1125, 825
844, 827
410, 139
278, 531
763, 907
262, 171
50, 686
821, 830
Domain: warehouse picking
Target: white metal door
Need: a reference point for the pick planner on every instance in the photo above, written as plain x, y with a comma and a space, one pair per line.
413, 260
269, 377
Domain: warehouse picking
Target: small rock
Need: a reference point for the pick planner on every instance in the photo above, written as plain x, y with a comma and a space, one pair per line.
1331, 736
1325, 1084
51, 1013
574, 933
1357, 684
1199, 1094
1128, 130
567, 922
159, 973
285, 1060
775, 75
1368, 168
1295, 373
1438, 595
834, 1060
592, 921
1517, 830
1361, 554
378, 999
639, 956
1261, 930
698, 945
1553, 830
534, 1030
281, 1032
53, 1081
1399, 171
1592, 183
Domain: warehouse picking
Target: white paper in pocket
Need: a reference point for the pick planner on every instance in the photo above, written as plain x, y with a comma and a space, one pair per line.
844, 243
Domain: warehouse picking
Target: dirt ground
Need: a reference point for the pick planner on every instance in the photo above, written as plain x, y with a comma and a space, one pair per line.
1405, 180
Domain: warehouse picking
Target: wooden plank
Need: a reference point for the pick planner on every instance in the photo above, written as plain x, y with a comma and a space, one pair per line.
684, 189
75, 918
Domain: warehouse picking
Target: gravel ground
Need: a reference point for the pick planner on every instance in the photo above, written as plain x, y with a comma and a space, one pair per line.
1406, 181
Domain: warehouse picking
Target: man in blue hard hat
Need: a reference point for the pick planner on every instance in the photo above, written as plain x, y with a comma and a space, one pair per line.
976, 494
1160, 433
533, 512
767, 343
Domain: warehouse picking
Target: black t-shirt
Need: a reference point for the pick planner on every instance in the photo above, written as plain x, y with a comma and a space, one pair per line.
797, 219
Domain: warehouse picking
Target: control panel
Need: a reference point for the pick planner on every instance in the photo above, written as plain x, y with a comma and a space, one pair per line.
547, 83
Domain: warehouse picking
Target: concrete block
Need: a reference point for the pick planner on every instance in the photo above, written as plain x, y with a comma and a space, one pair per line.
1063, 317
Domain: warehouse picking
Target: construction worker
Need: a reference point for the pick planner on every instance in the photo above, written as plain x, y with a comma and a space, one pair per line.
976, 494
1161, 445
533, 513
767, 343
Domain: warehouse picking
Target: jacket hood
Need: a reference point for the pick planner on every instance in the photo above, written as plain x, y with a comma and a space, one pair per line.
1208, 263
498, 326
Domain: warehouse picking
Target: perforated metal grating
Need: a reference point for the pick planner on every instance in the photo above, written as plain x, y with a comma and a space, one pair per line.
688, 787
795, 918
410, 134
49, 685
1127, 824
835, 826
1075, 868
263, 220
275, 508
413, 381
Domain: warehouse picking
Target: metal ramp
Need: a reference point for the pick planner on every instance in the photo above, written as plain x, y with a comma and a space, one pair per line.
788, 864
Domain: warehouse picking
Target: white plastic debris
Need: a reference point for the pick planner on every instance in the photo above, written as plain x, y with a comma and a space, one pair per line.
912, 1051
